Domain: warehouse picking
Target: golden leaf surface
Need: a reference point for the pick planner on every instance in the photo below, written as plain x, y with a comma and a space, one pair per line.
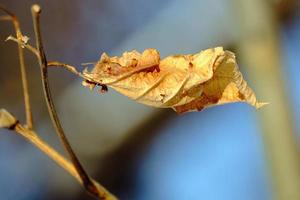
182, 82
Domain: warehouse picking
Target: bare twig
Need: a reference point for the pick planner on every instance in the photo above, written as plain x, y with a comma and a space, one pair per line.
59, 159
25, 45
5, 17
32, 137
28, 111
88, 183
56, 64
8, 121
50, 64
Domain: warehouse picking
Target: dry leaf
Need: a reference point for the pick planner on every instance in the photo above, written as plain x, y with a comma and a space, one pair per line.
182, 82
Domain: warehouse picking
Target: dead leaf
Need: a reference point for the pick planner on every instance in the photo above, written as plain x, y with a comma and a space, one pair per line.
182, 82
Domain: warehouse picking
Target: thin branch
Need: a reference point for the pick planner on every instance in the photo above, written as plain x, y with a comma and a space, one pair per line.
56, 64
74, 168
8, 121
59, 159
24, 45
5, 17
88, 183
50, 64
28, 110
49, 151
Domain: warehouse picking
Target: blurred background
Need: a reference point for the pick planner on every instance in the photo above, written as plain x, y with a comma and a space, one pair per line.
230, 152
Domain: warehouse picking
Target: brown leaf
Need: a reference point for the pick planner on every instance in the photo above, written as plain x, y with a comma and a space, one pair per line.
182, 82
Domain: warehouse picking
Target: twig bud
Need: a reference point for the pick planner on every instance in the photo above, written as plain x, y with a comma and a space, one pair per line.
36, 8
7, 120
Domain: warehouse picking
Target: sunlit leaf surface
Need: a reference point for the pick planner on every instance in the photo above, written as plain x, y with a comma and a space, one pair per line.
182, 82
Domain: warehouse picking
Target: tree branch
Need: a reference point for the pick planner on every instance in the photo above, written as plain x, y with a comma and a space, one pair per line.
8, 121
88, 183
28, 110
50, 64
23, 44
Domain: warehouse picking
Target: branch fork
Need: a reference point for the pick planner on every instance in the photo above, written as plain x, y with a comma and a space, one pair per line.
8, 121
